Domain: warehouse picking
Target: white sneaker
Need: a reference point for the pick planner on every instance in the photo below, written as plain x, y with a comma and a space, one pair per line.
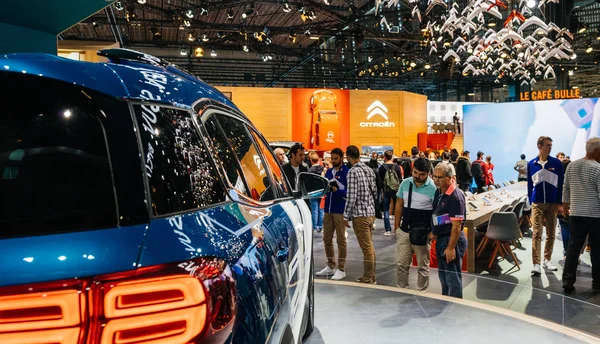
339, 274
536, 269
387, 233
549, 266
326, 272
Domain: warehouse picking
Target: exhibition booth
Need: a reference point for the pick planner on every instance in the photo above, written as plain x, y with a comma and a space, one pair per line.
324, 119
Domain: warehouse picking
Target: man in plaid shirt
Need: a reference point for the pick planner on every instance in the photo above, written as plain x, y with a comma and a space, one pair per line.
360, 208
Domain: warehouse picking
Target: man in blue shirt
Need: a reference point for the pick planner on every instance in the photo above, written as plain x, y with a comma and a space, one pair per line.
544, 187
449, 213
420, 211
333, 221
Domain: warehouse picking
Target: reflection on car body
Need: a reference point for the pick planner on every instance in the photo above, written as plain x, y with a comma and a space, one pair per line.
138, 205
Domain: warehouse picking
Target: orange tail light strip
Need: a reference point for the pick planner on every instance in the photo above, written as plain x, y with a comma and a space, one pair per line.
39, 311
179, 326
153, 295
60, 336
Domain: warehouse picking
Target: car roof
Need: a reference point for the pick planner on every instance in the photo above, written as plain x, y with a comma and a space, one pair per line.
128, 74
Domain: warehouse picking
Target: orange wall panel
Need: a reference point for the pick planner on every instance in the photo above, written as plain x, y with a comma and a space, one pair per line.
302, 115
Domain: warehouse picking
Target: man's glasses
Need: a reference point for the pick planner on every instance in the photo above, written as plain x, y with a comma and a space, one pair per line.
439, 177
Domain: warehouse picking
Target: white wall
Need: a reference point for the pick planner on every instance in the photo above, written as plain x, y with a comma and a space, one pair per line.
442, 112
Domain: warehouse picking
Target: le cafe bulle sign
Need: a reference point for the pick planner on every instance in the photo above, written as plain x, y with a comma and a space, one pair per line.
550, 94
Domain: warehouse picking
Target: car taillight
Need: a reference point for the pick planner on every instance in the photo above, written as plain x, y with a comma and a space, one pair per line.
187, 302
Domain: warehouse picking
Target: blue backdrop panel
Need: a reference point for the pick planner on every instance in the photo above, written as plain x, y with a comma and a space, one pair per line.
506, 130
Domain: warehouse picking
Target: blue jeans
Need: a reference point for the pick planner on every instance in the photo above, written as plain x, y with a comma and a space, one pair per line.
387, 199
450, 273
317, 213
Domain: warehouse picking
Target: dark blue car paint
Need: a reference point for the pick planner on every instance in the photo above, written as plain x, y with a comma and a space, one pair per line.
257, 243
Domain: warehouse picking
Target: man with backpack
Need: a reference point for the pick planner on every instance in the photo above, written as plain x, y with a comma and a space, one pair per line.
479, 170
464, 177
390, 176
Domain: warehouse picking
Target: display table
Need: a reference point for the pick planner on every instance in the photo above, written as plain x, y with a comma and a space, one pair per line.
476, 218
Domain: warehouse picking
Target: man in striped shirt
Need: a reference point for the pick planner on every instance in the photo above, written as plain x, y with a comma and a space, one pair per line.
360, 209
581, 200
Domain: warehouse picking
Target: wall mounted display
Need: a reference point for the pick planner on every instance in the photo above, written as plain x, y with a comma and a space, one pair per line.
320, 118
507, 130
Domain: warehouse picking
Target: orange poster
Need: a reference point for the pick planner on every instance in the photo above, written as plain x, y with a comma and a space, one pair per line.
321, 118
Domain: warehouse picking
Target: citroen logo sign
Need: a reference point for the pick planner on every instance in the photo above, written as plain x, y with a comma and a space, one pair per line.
377, 108
379, 111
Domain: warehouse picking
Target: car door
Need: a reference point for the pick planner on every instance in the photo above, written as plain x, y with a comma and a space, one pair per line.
299, 274
280, 249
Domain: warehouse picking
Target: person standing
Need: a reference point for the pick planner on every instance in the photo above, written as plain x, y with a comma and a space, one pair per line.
581, 200
456, 122
489, 177
479, 171
296, 164
544, 189
463, 172
414, 206
449, 214
390, 177
521, 167
280, 155
315, 204
333, 222
360, 209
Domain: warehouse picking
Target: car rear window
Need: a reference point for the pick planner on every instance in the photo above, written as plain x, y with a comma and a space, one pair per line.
55, 173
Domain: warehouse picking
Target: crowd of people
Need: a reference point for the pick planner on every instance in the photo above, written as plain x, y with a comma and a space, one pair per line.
422, 203
426, 204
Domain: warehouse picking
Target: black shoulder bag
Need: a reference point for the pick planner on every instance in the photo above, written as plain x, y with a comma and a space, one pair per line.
418, 231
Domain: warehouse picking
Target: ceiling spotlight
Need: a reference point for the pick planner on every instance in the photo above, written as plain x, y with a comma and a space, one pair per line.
95, 24
191, 37
213, 53
130, 13
286, 7
503, 55
119, 6
589, 49
574, 56
245, 48
413, 64
571, 72
427, 66
204, 37
156, 35
199, 52
581, 28
292, 36
189, 14
203, 11
521, 54
183, 52
141, 2
247, 13
307, 33
187, 23
446, 44
531, 3
230, 14
492, 22
470, 50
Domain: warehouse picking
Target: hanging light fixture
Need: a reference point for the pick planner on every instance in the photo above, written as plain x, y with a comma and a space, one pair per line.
213, 52
199, 52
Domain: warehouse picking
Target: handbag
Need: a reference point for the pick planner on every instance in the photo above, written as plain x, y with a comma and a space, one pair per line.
418, 232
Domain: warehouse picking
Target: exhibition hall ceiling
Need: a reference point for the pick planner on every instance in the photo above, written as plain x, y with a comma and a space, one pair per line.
432, 47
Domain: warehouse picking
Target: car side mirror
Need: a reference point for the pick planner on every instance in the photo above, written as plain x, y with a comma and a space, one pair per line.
310, 185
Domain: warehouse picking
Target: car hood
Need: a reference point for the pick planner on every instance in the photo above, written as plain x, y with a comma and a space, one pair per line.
69, 255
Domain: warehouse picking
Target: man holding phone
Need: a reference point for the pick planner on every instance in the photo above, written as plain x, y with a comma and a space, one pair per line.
333, 221
449, 213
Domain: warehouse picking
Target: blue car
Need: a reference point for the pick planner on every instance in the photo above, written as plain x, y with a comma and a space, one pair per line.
139, 205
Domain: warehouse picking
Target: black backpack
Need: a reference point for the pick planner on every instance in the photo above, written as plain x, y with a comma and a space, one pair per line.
477, 171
